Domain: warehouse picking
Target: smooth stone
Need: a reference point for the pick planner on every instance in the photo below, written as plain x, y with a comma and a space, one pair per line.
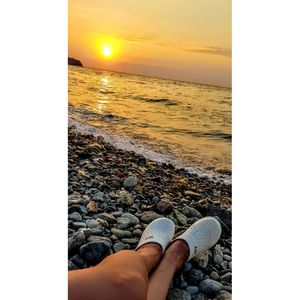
133, 219
86, 231
130, 241
183, 284
78, 225
137, 233
100, 239
210, 287
202, 259
83, 209
119, 246
73, 208
192, 194
70, 231
71, 266
164, 207
226, 277
130, 182
182, 219
92, 223
224, 295
187, 266
192, 290
217, 254
230, 265
77, 260
191, 212
177, 294
194, 276
94, 252
98, 231
98, 197
108, 217
75, 241
224, 265
92, 207
149, 216
214, 275
123, 223
199, 296
227, 257
121, 233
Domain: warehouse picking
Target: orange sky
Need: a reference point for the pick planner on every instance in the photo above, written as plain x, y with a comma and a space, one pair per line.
185, 39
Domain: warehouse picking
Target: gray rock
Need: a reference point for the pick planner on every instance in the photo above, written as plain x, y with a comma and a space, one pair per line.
202, 259
230, 265
137, 233
182, 219
214, 275
130, 241
223, 295
119, 246
133, 219
121, 233
192, 290
123, 223
210, 287
94, 252
75, 241
227, 257
86, 231
191, 212
78, 225
227, 277
125, 198
83, 209
108, 218
98, 231
77, 260
199, 296
99, 197
71, 266
224, 264
194, 276
192, 194
187, 266
92, 223
217, 254
149, 216
130, 182
100, 239
177, 294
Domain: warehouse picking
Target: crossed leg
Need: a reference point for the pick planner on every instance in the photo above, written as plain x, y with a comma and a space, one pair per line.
124, 275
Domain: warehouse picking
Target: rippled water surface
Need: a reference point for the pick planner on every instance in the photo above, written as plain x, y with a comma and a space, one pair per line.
183, 122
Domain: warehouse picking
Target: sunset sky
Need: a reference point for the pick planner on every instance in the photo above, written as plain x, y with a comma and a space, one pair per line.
186, 39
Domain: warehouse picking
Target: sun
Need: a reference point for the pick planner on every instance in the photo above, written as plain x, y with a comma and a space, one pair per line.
107, 51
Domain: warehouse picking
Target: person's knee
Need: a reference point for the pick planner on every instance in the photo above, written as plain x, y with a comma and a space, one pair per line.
132, 285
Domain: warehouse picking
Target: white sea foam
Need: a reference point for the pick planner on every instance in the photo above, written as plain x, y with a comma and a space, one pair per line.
131, 144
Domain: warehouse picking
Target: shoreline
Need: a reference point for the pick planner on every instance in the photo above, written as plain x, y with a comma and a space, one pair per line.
114, 194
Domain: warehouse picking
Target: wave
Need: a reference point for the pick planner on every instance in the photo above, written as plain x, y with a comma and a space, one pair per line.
131, 144
165, 101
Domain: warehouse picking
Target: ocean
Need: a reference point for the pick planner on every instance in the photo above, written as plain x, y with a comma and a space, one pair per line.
185, 124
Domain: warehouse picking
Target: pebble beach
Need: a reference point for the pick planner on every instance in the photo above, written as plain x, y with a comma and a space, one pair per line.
113, 194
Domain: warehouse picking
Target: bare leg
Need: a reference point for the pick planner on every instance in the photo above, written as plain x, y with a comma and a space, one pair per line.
160, 279
123, 275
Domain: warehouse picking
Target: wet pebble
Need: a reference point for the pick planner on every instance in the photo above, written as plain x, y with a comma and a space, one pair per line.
94, 252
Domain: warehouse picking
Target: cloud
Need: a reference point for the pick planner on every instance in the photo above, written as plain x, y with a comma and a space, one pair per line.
210, 50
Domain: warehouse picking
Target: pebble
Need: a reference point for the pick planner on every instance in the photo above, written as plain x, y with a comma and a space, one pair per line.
227, 257
94, 252
210, 287
71, 266
223, 295
194, 276
180, 217
226, 277
92, 223
224, 265
191, 212
192, 290
137, 233
164, 207
130, 182
178, 294
133, 219
202, 259
78, 225
214, 275
101, 239
77, 260
187, 266
217, 254
149, 216
108, 218
230, 265
76, 240
119, 246
99, 197
121, 233
130, 241
92, 207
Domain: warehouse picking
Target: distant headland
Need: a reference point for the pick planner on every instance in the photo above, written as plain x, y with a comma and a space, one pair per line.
74, 62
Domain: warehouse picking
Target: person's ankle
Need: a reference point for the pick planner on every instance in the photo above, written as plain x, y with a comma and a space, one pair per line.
178, 252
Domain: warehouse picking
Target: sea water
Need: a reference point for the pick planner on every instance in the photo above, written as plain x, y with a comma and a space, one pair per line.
186, 124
